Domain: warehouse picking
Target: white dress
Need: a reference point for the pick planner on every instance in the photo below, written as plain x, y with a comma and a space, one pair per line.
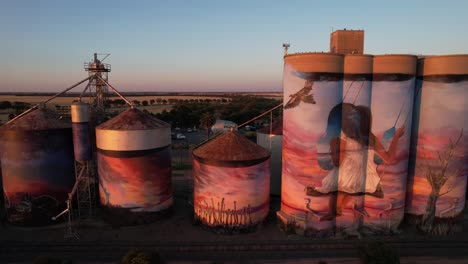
357, 172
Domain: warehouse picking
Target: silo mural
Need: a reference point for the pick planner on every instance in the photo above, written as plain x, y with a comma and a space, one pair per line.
389, 118
271, 138
231, 183
313, 93
348, 175
80, 114
134, 167
37, 167
439, 155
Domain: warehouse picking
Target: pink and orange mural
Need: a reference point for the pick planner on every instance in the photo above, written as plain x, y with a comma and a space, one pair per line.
231, 186
345, 143
439, 160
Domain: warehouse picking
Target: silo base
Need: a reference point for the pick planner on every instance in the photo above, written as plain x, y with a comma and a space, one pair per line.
118, 216
440, 226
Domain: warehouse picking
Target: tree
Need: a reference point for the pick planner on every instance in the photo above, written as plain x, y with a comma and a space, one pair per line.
164, 101
207, 121
159, 100
136, 102
152, 102
144, 103
437, 176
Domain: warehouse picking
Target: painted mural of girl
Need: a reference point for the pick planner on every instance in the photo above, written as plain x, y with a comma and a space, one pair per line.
353, 173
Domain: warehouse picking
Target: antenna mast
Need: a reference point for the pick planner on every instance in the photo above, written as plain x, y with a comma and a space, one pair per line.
286, 46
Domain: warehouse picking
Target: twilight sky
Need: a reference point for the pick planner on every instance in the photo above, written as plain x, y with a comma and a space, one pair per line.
175, 45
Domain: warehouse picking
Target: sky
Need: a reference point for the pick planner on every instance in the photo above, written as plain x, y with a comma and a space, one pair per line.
192, 46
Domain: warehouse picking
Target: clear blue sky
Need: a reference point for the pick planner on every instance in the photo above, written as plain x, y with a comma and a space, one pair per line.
205, 45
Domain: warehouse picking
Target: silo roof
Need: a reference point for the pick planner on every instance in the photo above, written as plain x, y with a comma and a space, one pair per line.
277, 128
39, 119
231, 149
133, 119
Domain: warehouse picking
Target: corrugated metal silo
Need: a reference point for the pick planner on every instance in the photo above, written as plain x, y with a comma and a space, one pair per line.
80, 115
390, 116
271, 138
313, 93
439, 157
37, 167
231, 183
134, 167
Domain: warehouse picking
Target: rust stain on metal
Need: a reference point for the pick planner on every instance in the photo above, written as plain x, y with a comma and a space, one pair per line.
231, 147
39, 119
133, 119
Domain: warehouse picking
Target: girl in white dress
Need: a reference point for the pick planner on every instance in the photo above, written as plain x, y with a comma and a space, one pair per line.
354, 172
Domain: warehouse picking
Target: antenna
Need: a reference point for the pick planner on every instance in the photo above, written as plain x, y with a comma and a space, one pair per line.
286, 46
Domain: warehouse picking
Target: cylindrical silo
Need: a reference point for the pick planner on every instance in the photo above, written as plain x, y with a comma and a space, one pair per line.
271, 138
134, 167
313, 94
350, 174
389, 119
80, 115
37, 167
231, 183
439, 153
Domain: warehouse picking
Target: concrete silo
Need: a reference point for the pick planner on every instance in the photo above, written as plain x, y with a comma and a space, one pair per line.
37, 167
439, 157
271, 138
80, 114
134, 167
313, 93
231, 183
389, 119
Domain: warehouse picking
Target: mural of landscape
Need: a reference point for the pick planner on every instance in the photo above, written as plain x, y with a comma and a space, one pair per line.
392, 110
229, 198
439, 161
37, 174
135, 185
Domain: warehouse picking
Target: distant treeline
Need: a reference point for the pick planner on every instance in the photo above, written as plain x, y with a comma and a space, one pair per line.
239, 109
211, 94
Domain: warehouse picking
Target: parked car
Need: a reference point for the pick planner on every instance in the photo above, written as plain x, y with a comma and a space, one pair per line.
180, 136
189, 130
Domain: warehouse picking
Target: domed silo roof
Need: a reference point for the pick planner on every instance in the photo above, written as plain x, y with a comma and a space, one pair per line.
39, 119
230, 149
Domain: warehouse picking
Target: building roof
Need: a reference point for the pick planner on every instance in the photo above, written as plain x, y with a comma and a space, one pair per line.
133, 119
230, 149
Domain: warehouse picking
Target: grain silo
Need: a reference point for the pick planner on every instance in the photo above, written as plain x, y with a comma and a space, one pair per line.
271, 138
313, 93
390, 116
37, 167
352, 167
134, 167
439, 157
231, 183
80, 115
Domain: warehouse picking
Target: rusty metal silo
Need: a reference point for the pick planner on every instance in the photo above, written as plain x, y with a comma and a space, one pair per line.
313, 94
231, 183
271, 138
134, 167
389, 118
37, 167
82, 146
439, 152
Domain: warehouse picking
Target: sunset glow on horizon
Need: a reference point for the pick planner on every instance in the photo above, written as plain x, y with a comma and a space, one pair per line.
205, 46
